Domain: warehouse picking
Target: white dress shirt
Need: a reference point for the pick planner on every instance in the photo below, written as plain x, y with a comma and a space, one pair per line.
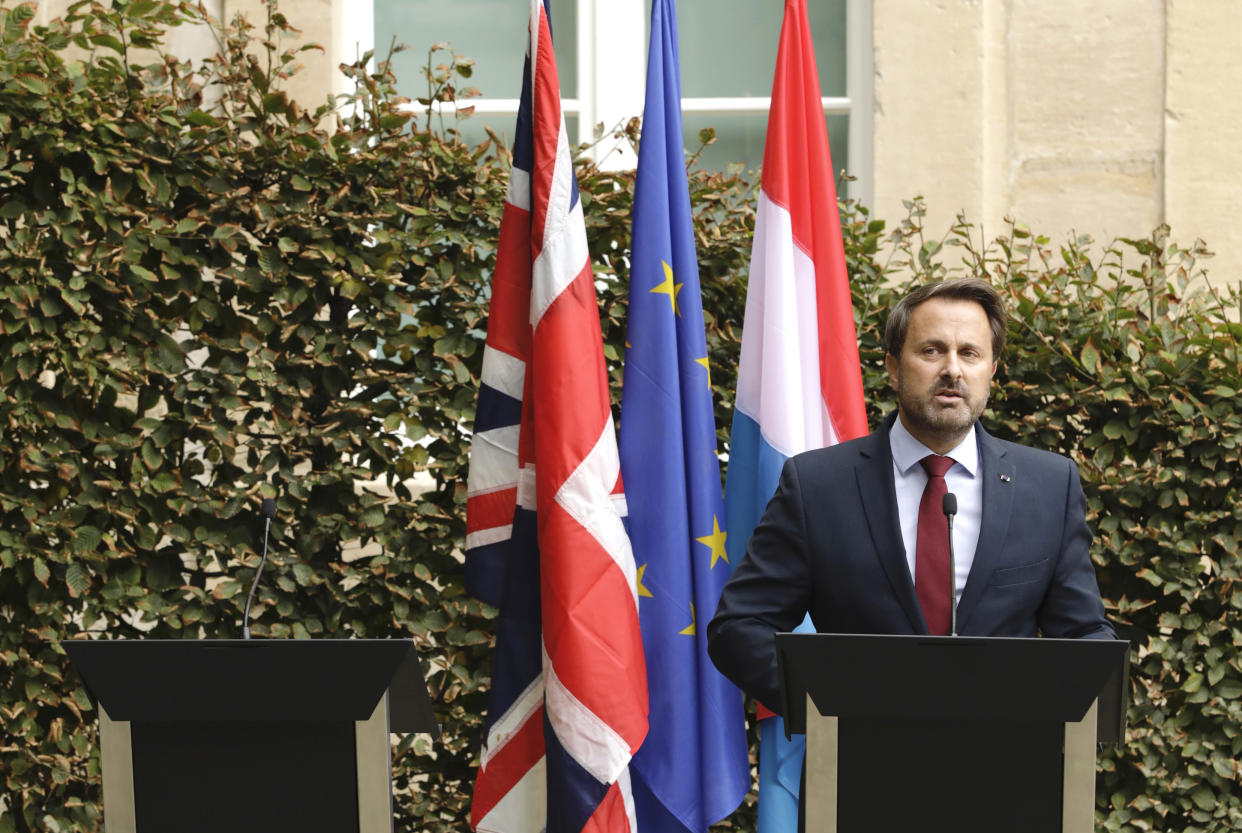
963, 479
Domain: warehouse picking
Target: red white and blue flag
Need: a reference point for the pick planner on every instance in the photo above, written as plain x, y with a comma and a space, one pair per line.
799, 384
545, 539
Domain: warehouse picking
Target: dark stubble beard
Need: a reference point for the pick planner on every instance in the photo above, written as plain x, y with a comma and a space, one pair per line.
922, 414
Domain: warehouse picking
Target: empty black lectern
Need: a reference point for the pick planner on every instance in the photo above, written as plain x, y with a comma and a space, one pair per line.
251, 735
951, 733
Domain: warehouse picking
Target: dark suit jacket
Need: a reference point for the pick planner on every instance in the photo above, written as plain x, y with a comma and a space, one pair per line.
830, 543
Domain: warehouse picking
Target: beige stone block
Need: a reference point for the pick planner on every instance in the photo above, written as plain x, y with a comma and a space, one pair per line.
1203, 131
1062, 198
1049, 111
1087, 77
928, 98
1086, 91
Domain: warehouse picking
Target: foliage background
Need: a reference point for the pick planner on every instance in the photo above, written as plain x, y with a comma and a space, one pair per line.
209, 297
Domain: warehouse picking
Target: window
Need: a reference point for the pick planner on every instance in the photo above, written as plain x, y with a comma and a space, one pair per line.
728, 51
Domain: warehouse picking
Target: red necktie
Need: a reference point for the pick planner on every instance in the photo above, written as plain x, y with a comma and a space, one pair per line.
931, 554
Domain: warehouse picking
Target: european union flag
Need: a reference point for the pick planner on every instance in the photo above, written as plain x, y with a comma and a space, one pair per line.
692, 769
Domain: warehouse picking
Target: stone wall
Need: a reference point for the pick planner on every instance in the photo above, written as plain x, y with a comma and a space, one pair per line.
1104, 117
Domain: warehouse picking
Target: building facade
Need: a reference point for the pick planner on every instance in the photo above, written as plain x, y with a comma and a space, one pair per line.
1098, 117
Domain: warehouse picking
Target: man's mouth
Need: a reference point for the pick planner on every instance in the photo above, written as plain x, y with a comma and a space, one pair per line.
949, 395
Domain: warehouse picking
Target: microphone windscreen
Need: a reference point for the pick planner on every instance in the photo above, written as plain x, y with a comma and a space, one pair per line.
269, 508
950, 504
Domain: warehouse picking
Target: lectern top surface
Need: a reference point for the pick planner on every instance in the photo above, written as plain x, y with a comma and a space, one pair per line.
246, 680
946, 677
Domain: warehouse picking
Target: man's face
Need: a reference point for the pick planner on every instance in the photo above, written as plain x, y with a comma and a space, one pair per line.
944, 371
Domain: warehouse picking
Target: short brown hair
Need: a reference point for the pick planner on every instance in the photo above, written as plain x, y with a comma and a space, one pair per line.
958, 289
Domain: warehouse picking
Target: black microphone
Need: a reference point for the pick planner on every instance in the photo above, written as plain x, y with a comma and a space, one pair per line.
268, 509
949, 505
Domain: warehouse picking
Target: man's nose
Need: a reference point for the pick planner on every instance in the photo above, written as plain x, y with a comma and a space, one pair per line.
952, 368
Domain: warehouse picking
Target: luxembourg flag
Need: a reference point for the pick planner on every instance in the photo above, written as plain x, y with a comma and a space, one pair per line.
799, 384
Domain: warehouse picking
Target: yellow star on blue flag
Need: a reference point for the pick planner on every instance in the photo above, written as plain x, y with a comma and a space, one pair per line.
642, 591
715, 542
669, 288
703, 361
688, 630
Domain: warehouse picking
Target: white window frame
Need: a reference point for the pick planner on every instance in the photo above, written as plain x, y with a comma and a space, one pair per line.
610, 97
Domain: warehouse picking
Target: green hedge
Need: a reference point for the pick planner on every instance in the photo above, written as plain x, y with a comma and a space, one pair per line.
207, 299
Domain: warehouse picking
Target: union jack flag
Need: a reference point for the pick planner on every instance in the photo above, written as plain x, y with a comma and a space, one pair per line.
545, 540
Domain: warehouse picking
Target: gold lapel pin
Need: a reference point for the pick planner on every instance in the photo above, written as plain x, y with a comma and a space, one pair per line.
1004, 478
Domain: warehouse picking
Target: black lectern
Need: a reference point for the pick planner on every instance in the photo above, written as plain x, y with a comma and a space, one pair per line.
251, 735
951, 733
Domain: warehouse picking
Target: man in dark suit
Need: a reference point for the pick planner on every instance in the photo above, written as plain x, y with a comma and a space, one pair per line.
856, 535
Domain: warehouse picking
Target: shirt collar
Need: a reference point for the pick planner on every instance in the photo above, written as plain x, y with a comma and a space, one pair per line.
907, 451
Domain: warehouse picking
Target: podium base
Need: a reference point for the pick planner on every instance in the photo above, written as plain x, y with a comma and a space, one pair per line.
910, 775
950, 775
266, 776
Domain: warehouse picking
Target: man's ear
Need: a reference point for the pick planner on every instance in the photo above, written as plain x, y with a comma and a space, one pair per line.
893, 367
994, 366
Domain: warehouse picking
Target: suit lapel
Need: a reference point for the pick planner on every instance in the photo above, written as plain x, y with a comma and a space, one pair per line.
878, 496
998, 474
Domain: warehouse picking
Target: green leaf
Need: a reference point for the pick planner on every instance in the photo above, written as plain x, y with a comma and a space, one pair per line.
144, 273
33, 84
138, 9
276, 102
77, 579
271, 261
106, 40
151, 457
200, 119
87, 538
303, 573
171, 355
1229, 689
1090, 357
227, 589
394, 121
27, 365
164, 482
